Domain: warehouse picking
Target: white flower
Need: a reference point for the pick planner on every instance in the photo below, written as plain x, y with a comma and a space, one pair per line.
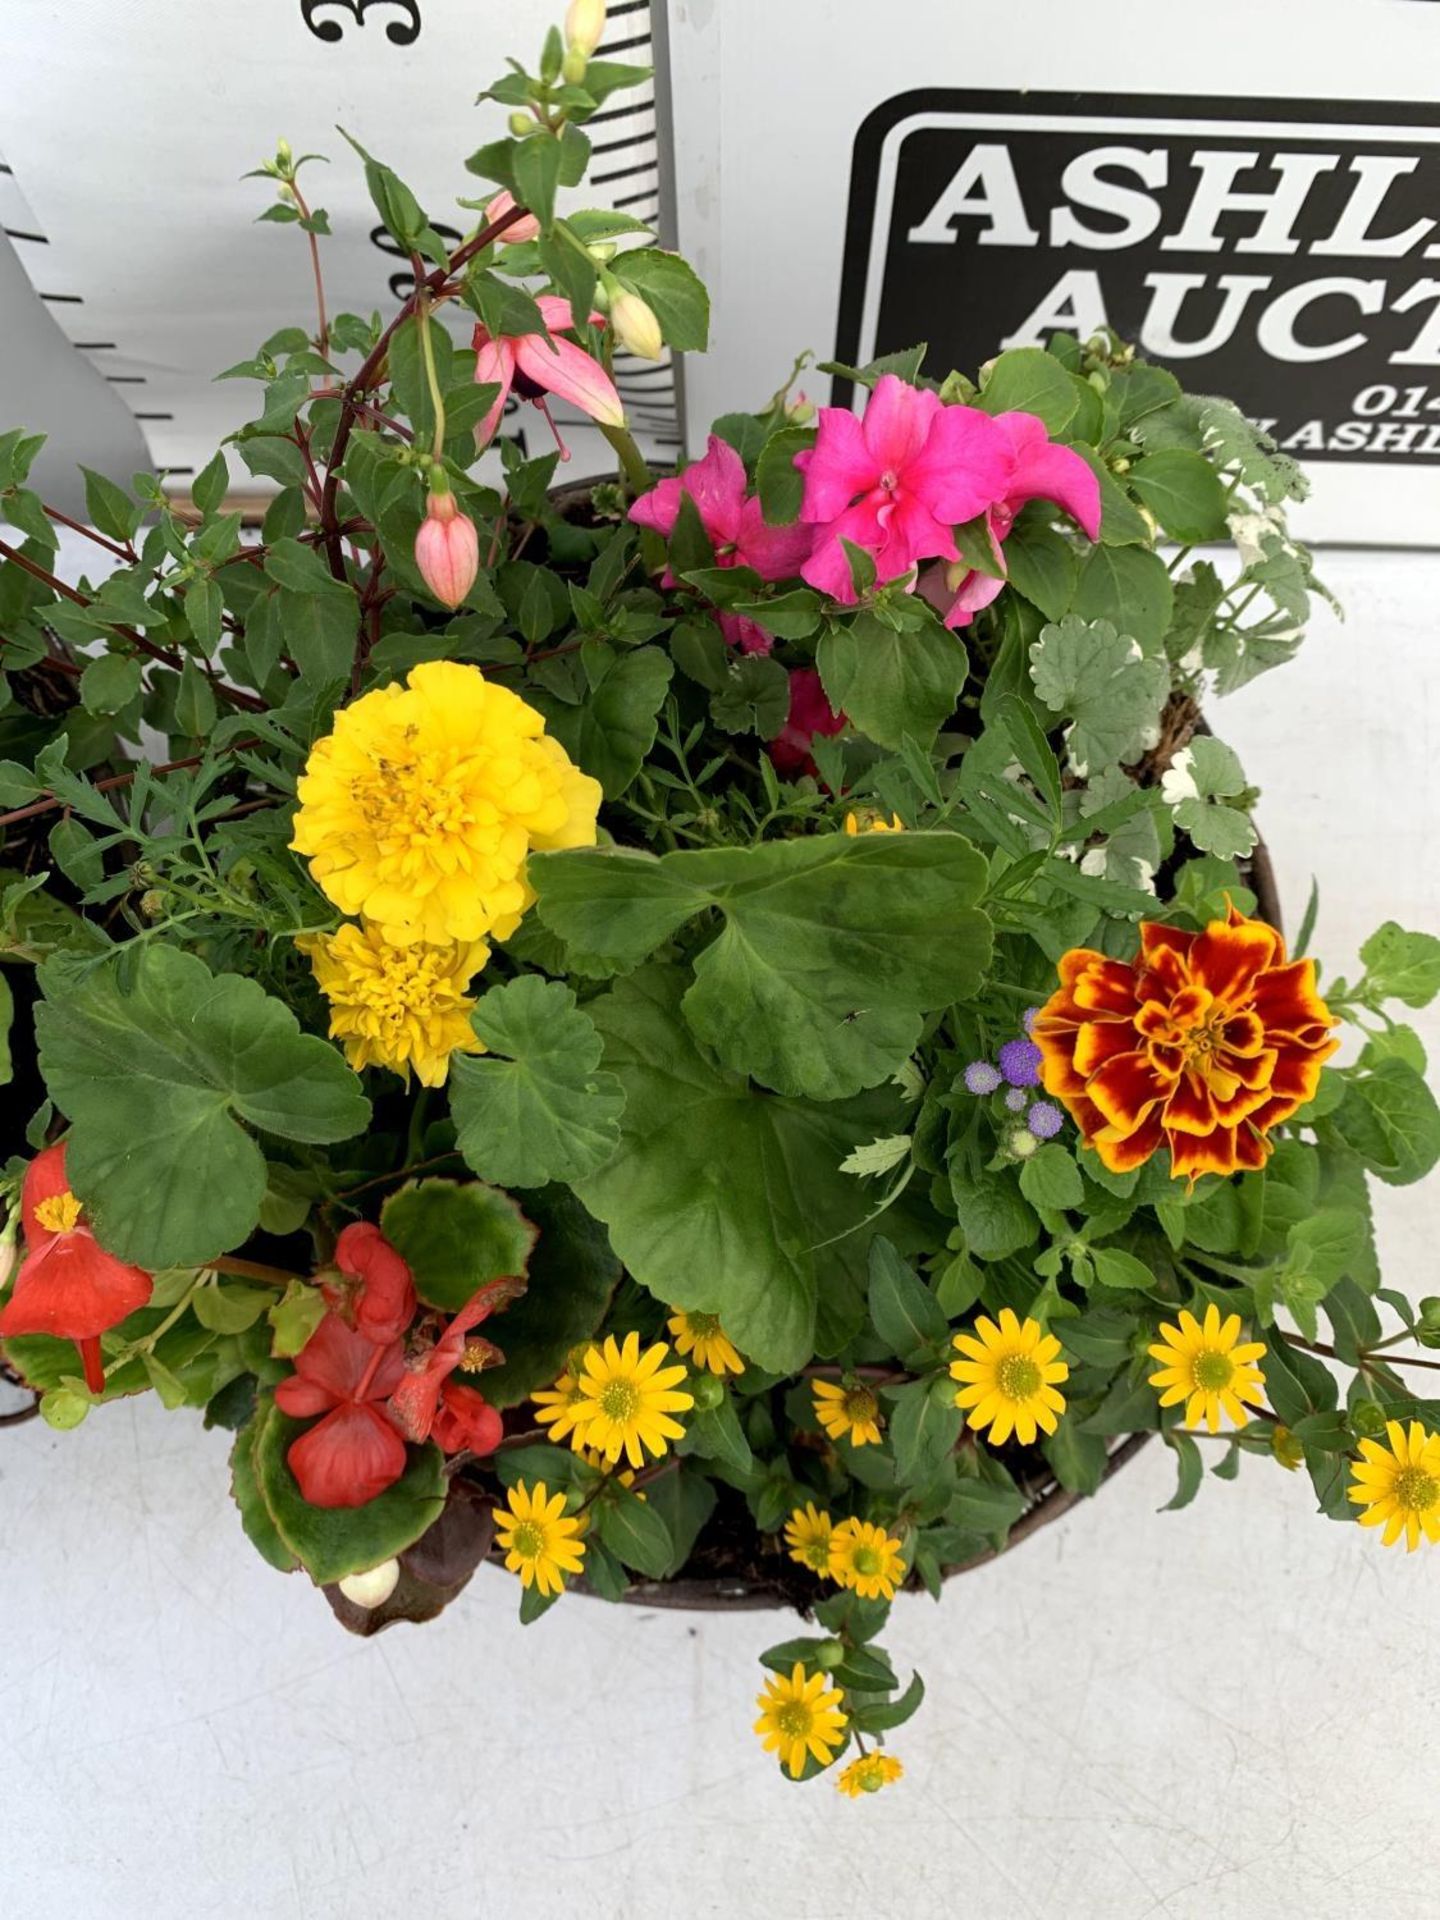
373, 1588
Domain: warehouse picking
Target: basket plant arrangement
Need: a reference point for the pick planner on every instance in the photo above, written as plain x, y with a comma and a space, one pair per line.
719, 1032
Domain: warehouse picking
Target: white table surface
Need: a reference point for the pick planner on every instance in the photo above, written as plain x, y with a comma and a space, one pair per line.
1228, 1712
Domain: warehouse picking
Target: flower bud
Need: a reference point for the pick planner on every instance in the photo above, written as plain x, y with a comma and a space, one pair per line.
828, 1655
521, 125
1367, 1419
572, 67
374, 1588
447, 549
527, 227
1021, 1144
584, 26
1287, 1449
1430, 1312
942, 1390
601, 252
635, 325
8, 1250
800, 411
708, 1390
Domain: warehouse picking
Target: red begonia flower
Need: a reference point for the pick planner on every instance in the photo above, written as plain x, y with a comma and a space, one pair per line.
372, 1291
465, 1420
354, 1452
68, 1286
417, 1397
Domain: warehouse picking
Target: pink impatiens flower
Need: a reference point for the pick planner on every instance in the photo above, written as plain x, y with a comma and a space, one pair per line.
897, 482
535, 366
810, 713
736, 526
1040, 470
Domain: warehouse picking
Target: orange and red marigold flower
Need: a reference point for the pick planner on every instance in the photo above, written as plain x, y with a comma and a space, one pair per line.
1203, 1044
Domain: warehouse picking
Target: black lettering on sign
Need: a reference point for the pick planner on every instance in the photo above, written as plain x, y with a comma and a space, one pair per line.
402, 285
317, 15
1283, 252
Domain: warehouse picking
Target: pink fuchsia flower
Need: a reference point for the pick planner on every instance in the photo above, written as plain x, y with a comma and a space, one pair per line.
527, 227
447, 549
1039, 470
416, 1400
371, 1289
354, 1452
810, 714
535, 366
897, 482
736, 527
68, 1286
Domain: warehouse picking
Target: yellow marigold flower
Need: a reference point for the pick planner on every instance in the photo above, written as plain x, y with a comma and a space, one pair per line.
1010, 1377
1399, 1485
851, 1411
800, 1716
701, 1335
540, 1541
633, 1399
863, 1557
563, 1409
808, 1534
1204, 1368
418, 811
404, 1008
869, 1774
868, 821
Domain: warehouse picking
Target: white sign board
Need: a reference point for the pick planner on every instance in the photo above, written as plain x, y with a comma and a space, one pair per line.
1251, 192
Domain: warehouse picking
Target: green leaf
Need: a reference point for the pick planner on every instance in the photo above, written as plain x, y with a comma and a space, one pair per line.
156, 1082
455, 1238
674, 291
229, 1308
7, 1021
1184, 492
110, 683
572, 1275
613, 728
1190, 1467
784, 993
1077, 1459
634, 1532
905, 1313
109, 507
210, 485
716, 1434
759, 1176
319, 628
255, 1518
1389, 1117
778, 480
994, 1217
1116, 1268
1051, 1180
1200, 779
1401, 966
537, 174
1029, 380
881, 1716
1129, 587
1121, 522
1042, 567
892, 683
331, 1542
924, 1429
1103, 681
533, 1108
985, 1507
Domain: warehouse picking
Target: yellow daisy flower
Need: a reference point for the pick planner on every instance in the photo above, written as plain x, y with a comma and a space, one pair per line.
404, 1008
1399, 1485
800, 1716
1204, 1368
808, 1534
869, 821
863, 1557
1010, 1376
540, 1541
418, 811
869, 1774
851, 1412
564, 1410
632, 1399
701, 1335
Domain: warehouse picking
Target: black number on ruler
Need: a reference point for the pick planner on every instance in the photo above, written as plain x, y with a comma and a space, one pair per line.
402, 285
400, 33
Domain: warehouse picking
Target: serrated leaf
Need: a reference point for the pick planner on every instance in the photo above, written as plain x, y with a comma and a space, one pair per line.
1112, 693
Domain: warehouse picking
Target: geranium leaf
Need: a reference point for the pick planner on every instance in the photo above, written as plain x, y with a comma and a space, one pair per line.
155, 1083
719, 1195
613, 728
573, 1272
535, 1108
890, 683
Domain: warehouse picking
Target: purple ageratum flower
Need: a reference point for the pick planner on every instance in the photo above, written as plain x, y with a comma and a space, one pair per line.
1020, 1063
1032, 1014
1016, 1098
1044, 1120
981, 1077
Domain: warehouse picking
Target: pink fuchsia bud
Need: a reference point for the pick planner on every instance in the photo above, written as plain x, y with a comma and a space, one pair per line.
447, 550
527, 227
584, 26
635, 326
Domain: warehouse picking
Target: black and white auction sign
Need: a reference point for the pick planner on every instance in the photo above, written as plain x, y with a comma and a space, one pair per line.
1250, 190
126, 126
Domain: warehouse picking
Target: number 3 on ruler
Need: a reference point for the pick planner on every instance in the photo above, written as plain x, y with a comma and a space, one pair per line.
401, 33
